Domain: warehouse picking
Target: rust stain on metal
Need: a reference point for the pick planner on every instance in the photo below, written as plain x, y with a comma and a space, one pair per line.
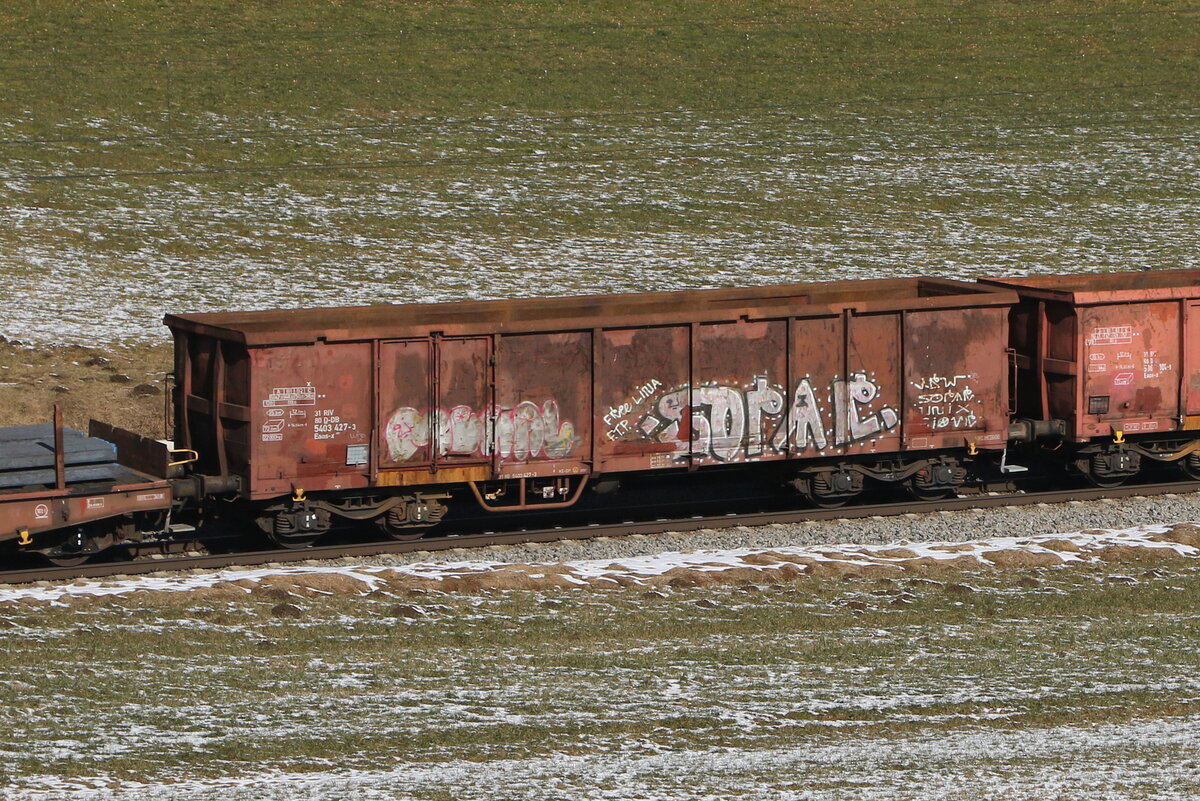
449, 475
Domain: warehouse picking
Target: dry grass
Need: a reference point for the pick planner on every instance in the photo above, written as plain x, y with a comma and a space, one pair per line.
123, 386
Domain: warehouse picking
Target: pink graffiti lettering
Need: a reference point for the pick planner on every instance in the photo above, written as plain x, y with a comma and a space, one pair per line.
526, 431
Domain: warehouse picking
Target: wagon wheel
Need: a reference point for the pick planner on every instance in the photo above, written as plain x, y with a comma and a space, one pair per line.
78, 546
294, 542
409, 521
935, 482
400, 533
819, 500
1103, 480
921, 493
283, 538
1190, 465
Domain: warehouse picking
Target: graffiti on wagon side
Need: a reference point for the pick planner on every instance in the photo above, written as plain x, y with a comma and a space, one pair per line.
947, 402
524, 431
727, 422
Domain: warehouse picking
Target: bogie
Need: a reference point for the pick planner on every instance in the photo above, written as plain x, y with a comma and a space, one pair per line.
79, 544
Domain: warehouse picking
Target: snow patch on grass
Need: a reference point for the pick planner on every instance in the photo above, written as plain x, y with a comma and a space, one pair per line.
1140, 759
788, 562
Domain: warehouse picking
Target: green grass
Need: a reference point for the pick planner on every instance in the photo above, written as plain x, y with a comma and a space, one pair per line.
148, 62
510, 676
294, 88
202, 155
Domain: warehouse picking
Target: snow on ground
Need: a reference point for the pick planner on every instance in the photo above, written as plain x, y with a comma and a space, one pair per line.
676, 568
703, 202
627, 698
1142, 759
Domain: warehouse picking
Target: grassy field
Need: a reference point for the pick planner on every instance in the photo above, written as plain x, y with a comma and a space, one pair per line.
161, 157
153, 65
143, 62
124, 386
166, 156
1064, 683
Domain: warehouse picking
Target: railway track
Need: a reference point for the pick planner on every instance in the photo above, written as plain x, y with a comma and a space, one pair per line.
985, 500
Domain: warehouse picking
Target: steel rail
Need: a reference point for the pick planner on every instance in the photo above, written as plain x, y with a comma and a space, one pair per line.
593, 530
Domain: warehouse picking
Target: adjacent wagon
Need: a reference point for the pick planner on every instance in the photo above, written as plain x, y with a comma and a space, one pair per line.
67, 496
1113, 361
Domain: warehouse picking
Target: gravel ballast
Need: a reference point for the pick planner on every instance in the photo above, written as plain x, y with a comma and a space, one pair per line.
959, 526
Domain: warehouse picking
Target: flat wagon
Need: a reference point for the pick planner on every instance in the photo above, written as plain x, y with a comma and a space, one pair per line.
66, 495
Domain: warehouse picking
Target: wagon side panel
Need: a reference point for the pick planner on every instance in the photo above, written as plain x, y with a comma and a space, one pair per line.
867, 395
1131, 367
542, 418
738, 393
817, 358
406, 404
310, 417
463, 394
643, 419
956, 374
1190, 379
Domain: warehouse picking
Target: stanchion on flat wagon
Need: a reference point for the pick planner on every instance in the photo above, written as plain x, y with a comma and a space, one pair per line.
60, 460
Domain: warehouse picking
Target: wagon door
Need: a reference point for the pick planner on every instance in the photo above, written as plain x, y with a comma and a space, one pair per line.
463, 395
405, 403
542, 416
435, 402
1190, 376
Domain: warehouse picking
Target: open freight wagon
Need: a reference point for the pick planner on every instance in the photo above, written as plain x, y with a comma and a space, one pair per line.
388, 412
1113, 360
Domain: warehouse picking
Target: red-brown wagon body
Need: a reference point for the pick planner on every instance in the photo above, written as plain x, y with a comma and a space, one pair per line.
1109, 354
303, 418
555, 390
31, 512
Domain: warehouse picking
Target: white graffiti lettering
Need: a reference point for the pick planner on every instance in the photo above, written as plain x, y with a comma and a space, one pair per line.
804, 424
667, 426
407, 431
848, 426
763, 402
947, 402
728, 422
617, 417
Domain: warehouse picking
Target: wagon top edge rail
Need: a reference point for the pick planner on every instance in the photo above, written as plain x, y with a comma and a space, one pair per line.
279, 326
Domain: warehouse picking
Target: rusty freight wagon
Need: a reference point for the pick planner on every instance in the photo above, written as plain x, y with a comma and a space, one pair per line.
1112, 361
395, 413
